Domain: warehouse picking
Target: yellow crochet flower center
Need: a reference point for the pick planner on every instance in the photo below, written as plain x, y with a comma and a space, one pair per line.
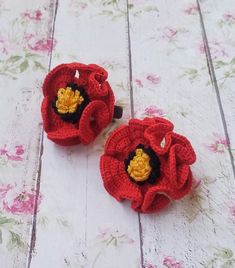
68, 100
139, 167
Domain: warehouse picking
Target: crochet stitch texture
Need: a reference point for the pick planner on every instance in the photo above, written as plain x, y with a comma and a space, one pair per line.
171, 177
84, 119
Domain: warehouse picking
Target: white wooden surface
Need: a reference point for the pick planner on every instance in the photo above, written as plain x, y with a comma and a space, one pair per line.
54, 211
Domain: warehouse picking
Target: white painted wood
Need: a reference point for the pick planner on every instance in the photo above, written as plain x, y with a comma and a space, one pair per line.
219, 19
79, 224
170, 79
24, 39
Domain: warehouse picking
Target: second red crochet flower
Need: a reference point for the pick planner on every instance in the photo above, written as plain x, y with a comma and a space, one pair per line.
148, 164
78, 103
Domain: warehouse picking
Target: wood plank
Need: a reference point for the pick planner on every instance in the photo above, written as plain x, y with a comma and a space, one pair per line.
219, 20
25, 44
170, 79
79, 224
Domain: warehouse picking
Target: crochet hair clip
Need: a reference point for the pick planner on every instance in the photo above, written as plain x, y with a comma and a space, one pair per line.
148, 164
76, 109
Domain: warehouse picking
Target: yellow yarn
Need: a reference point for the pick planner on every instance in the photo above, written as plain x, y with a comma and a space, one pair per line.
68, 100
139, 167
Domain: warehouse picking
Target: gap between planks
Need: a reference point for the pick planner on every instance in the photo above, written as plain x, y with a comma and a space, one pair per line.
215, 84
38, 177
213, 80
132, 116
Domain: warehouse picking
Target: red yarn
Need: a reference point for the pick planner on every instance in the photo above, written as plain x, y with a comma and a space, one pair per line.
175, 156
96, 115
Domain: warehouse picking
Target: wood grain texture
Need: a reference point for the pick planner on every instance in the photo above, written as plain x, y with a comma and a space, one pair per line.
219, 20
170, 78
25, 44
54, 210
79, 224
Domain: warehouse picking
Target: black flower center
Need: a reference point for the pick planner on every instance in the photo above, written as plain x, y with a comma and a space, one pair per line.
143, 165
70, 102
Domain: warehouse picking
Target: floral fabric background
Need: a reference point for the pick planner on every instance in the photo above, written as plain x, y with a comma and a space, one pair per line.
54, 211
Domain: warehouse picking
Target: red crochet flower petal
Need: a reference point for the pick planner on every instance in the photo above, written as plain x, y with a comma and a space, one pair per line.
116, 181
109, 99
147, 122
59, 77
94, 118
91, 75
183, 179
137, 128
150, 130
154, 201
51, 121
156, 196
179, 175
183, 149
60, 132
65, 136
101, 73
119, 143
45, 111
155, 135
97, 86
125, 139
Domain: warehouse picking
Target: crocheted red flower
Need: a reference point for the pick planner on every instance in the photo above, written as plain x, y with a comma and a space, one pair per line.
147, 163
76, 108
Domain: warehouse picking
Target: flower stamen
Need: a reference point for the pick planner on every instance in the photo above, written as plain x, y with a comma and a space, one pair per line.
68, 100
139, 167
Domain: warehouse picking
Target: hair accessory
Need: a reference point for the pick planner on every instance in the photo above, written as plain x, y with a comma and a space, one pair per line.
75, 109
147, 163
